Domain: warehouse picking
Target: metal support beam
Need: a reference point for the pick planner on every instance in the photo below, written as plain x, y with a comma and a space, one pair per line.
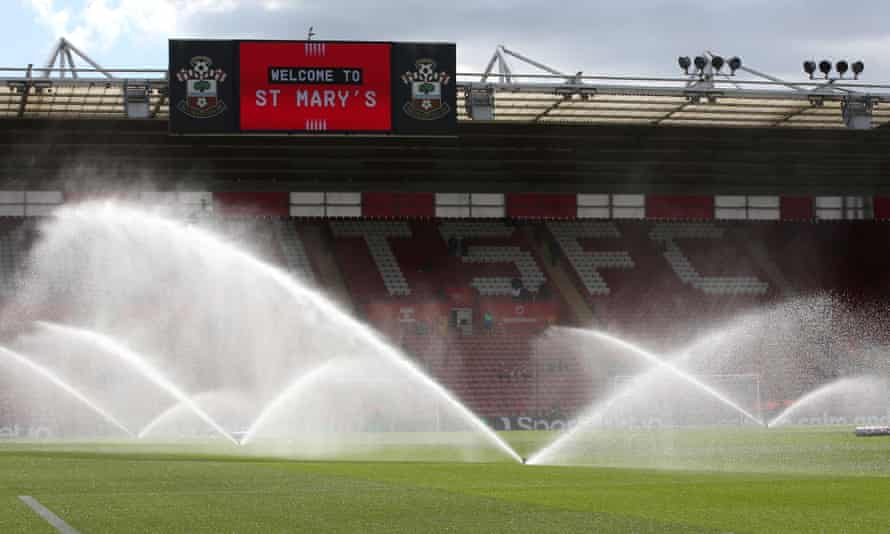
538, 65
672, 112
506, 73
161, 101
157, 109
788, 116
64, 52
621, 89
489, 67
25, 88
504, 66
548, 110
765, 76
71, 63
86, 58
63, 67
51, 62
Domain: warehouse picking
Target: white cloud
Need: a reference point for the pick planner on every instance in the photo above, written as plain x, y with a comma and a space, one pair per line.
100, 24
57, 19
633, 37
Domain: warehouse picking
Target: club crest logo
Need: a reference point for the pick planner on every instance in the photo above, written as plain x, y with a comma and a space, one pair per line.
202, 89
427, 102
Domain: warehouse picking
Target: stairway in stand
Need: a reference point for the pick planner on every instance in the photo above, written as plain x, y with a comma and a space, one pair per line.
320, 251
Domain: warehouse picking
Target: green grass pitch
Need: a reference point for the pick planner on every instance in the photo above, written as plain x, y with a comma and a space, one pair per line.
717, 480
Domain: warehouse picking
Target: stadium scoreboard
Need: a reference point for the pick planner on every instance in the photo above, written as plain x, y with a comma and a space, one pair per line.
318, 87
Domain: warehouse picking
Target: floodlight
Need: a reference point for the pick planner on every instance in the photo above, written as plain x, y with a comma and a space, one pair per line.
825, 67
700, 63
842, 67
684, 63
809, 67
717, 63
858, 67
735, 63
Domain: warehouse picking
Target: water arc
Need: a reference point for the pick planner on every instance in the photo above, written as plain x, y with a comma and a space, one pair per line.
555, 446
139, 363
301, 382
64, 386
128, 225
850, 386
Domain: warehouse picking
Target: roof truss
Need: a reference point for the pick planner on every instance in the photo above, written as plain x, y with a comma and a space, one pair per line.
545, 95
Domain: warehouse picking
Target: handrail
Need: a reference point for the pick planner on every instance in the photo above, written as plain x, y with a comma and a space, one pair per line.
81, 70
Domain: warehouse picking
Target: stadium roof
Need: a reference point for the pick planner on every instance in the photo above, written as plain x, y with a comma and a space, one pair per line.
753, 99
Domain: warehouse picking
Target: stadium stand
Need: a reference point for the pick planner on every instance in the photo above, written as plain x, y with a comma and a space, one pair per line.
294, 251
375, 235
587, 264
8, 253
502, 373
669, 234
624, 267
15, 238
412, 258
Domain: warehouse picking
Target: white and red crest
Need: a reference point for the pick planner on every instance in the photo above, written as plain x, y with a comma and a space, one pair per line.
202, 81
427, 101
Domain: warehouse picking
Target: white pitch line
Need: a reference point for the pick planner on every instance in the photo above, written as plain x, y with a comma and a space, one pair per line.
47, 515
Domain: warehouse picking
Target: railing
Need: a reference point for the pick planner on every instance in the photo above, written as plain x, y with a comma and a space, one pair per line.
78, 74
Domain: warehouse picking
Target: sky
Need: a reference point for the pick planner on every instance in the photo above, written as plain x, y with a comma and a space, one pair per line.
628, 37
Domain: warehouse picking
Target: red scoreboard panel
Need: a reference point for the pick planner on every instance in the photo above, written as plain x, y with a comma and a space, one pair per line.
315, 87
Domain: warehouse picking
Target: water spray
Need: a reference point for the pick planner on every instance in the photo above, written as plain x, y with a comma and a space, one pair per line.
548, 451
128, 227
64, 386
140, 364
